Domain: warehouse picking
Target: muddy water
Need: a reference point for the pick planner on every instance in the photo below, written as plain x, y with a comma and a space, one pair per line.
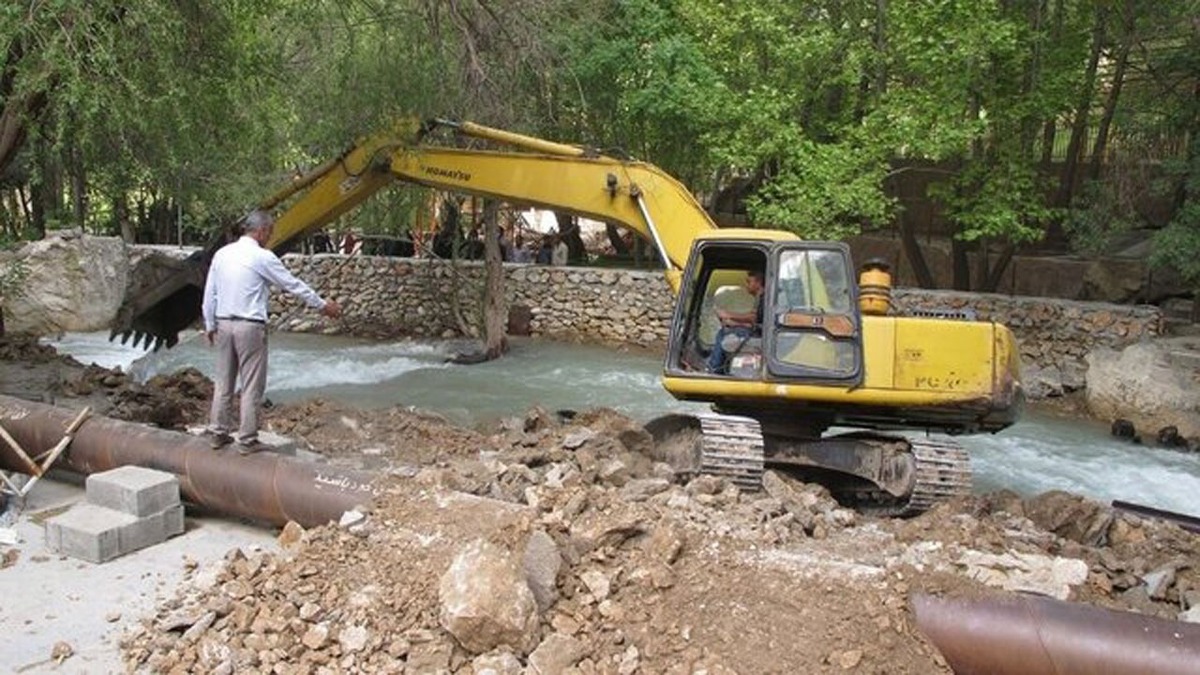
1040, 453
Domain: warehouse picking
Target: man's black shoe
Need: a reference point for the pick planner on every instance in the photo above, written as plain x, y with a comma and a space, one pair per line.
251, 447
219, 441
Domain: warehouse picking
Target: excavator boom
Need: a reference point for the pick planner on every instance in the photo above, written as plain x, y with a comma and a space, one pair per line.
523, 171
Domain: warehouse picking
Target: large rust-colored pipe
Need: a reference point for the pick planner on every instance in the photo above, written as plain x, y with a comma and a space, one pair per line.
1031, 635
263, 487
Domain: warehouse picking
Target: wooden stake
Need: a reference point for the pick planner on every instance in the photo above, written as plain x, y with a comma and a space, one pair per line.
11, 486
58, 449
33, 468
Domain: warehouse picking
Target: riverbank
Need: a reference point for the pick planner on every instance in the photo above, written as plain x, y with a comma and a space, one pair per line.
649, 571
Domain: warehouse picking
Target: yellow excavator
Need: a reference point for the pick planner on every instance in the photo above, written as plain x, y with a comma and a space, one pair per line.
825, 351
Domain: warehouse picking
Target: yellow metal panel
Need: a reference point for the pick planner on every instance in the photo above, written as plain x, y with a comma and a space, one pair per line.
748, 234
939, 355
879, 352
713, 388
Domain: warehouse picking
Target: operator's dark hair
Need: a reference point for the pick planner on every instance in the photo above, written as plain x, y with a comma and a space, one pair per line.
761, 275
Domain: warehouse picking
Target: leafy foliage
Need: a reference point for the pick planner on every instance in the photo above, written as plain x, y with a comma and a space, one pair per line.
136, 115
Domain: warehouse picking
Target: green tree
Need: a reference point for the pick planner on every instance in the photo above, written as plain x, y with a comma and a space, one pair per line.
136, 107
1174, 70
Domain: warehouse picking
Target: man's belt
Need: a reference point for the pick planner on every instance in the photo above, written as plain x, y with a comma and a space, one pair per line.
241, 318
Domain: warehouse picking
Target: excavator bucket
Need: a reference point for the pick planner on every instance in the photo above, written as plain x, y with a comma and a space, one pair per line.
164, 300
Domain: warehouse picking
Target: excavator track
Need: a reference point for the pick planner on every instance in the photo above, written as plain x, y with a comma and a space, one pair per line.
943, 473
732, 448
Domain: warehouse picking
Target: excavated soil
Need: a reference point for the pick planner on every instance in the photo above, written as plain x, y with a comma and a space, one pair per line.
651, 570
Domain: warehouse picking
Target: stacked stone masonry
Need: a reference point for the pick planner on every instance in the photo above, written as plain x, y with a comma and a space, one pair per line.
401, 296
126, 509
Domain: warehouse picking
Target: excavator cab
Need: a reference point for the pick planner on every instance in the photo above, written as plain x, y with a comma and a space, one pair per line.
810, 330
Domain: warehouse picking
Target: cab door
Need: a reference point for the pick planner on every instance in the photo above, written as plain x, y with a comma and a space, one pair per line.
815, 332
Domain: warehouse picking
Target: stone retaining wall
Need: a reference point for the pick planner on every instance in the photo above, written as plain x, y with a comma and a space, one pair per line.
401, 296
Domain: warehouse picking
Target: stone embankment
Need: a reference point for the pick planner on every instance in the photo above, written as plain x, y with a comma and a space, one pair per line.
426, 298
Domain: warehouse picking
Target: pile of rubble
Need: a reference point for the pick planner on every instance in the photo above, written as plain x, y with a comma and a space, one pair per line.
169, 401
556, 545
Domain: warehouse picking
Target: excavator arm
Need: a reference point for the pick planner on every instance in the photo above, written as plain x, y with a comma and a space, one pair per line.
521, 170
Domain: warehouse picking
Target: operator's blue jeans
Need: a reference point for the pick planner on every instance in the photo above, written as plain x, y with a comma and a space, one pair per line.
716, 358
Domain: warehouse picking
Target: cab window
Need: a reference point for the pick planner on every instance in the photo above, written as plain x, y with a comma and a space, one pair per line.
817, 331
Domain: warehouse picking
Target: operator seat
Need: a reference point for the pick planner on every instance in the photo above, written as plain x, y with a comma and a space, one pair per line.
728, 298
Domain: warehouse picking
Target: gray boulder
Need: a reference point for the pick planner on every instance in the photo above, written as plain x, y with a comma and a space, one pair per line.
541, 563
1152, 384
69, 282
486, 603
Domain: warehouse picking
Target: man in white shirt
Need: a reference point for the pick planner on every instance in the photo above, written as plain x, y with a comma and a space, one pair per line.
235, 320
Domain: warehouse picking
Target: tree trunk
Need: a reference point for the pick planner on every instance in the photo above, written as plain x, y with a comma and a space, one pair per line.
495, 314
881, 48
1128, 27
16, 114
1050, 129
78, 188
11, 225
981, 272
912, 251
615, 239
1031, 79
568, 228
960, 261
25, 203
1066, 185
961, 265
123, 222
1001, 264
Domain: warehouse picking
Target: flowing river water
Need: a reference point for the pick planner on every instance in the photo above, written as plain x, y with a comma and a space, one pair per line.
1042, 452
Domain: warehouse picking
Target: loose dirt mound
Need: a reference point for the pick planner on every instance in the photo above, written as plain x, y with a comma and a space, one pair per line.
170, 401
36, 372
25, 349
634, 568
373, 438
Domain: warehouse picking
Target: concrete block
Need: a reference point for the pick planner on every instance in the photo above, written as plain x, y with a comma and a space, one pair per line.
150, 530
134, 490
88, 532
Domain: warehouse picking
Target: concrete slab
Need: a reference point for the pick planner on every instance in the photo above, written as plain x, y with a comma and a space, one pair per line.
150, 530
135, 490
46, 598
88, 532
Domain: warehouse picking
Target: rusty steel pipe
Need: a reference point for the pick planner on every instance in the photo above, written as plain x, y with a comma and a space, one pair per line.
1031, 635
263, 487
